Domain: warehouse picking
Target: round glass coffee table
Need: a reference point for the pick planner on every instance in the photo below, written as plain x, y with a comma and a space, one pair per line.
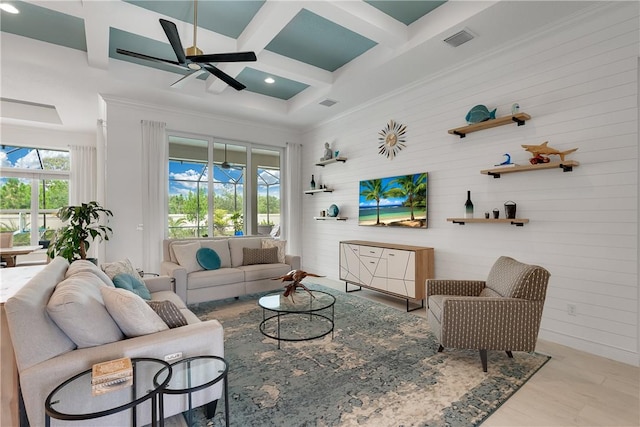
73, 400
306, 316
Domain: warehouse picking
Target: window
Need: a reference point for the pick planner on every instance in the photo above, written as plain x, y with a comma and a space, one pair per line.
34, 184
226, 202
268, 189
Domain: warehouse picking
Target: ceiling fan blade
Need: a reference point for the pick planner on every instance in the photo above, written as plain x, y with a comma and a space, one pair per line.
224, 77
187, 78
224, 57
171, 31
149, 58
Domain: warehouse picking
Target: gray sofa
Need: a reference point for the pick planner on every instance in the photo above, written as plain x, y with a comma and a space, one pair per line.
233, 278
46, 355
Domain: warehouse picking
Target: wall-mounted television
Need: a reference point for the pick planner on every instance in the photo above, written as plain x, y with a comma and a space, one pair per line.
397, 201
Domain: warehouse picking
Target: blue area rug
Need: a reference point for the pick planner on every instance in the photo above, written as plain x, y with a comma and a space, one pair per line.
381, 368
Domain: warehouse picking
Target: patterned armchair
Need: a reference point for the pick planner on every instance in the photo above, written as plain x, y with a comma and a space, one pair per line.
501, 313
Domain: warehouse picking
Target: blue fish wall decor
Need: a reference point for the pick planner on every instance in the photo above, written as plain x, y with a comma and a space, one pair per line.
480, 113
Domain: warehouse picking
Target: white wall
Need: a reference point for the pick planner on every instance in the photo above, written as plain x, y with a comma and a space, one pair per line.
580, 85
124, 163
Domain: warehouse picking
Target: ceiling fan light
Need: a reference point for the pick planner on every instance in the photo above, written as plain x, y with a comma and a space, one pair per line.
193, 66
193, 51
9, 8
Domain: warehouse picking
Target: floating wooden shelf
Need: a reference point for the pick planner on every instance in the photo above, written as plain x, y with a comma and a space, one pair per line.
320, 190
519, 118
334, 160
518, 222
331, 218
566, 166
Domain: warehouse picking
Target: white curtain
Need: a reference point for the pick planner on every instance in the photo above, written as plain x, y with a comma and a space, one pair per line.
83, 183
82, 176
155, 168
293, 202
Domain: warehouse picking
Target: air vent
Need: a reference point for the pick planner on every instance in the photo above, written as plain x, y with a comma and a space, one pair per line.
459, 38
328, 102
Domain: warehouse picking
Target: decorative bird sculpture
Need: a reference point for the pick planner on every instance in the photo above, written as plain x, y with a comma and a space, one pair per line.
295, 277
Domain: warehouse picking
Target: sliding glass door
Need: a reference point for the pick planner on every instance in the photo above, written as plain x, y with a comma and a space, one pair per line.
225, 202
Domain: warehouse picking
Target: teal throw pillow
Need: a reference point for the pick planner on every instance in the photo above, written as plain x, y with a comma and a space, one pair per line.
133, 284
208, 259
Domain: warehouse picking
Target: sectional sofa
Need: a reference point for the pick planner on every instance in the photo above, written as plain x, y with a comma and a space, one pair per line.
49, 351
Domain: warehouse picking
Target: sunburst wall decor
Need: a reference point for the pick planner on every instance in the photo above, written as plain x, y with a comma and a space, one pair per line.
392, 139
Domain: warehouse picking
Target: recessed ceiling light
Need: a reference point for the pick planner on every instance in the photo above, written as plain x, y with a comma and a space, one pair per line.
9, 8
269, 80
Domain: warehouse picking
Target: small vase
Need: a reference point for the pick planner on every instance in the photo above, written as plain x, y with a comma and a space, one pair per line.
313, 183
468, 206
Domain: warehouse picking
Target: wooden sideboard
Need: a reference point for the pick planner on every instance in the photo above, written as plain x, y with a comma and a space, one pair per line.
398, 270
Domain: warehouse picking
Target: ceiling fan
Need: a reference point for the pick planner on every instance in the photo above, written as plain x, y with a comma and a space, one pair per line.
192, 58
225, 164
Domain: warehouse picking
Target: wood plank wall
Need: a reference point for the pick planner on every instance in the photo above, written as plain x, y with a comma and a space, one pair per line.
579, 82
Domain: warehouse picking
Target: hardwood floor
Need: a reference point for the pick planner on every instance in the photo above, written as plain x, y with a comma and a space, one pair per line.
573, 389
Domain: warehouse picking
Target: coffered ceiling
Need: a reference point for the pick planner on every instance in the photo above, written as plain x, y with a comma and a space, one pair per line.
325, 57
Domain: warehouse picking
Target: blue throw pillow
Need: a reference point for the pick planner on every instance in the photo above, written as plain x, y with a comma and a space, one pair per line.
133, 284
208, 259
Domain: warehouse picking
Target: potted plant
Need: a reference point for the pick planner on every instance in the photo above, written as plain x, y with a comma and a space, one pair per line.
238, 223
73, 240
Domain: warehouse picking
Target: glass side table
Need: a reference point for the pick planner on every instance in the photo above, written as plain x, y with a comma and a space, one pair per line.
194, 374
73, 401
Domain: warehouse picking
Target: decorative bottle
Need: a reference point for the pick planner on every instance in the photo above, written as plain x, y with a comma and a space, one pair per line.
468, 206
313, 183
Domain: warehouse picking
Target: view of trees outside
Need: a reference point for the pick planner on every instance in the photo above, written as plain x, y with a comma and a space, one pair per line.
188, 199
15, 193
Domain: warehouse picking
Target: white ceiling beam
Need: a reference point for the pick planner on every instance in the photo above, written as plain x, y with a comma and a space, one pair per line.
362, 19
450, 17
278, 65
96, 30
308, 98
271, 62
73, 8
272, 17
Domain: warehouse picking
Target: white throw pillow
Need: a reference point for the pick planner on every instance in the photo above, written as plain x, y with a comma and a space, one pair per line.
132, 314
113, 269
186, 256
76, 306
273, 243
237, 243
82, 265
222, 249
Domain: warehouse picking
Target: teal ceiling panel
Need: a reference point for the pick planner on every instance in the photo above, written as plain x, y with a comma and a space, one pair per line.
282, 88
45, 25
228, 17
405, 11
314, 40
